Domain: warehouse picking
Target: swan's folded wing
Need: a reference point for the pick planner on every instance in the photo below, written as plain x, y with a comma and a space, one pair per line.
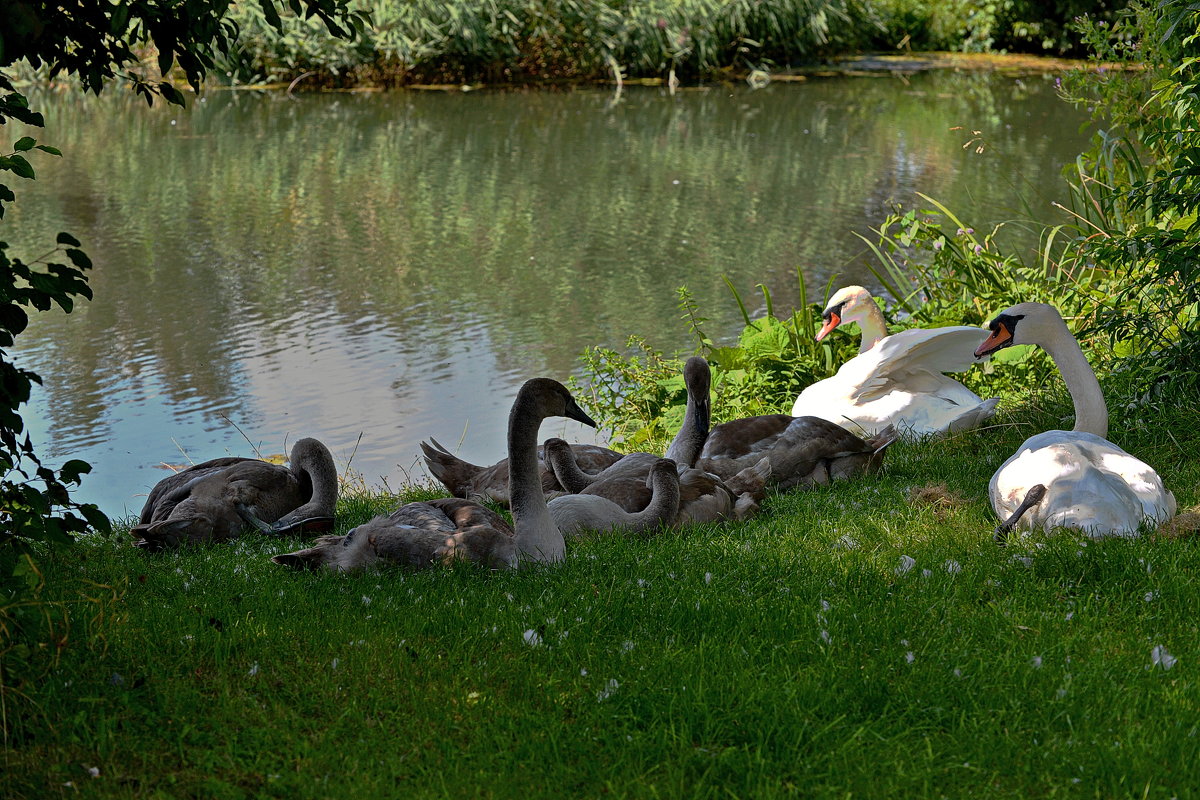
915, 358
452, 513
168, 492
750, 436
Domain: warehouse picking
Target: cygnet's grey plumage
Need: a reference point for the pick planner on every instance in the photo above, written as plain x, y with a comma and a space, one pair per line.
416, 535
803, 451
219, 499
438, 531
703, 497
697, 416
632, 468
490, 484
575, 513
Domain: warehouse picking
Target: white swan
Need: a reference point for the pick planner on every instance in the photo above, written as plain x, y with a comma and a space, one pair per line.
426, 534
896, 380
1090, 484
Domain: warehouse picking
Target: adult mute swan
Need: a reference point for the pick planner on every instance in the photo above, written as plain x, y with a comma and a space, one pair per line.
218, 499
898, 379
1090, 484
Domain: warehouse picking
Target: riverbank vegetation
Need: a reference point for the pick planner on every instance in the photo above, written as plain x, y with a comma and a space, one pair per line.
518, 41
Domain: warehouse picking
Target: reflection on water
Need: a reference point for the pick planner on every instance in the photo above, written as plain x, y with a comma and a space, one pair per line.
392, 266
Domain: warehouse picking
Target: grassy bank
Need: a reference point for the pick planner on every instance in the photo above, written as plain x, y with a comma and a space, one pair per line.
790, 655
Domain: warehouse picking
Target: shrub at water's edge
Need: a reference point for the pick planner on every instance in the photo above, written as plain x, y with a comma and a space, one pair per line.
1126, 264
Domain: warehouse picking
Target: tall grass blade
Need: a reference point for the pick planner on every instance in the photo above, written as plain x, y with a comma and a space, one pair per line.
741, 305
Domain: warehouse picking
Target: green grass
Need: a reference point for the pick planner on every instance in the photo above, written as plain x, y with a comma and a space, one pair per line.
784, 656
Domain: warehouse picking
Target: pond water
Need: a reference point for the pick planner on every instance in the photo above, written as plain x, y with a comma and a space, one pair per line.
374, 269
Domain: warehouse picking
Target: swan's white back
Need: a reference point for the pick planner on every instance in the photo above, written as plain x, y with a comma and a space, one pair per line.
1092, 484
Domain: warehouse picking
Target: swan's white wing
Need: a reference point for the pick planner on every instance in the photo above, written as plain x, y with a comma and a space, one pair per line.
900, 381
915, 359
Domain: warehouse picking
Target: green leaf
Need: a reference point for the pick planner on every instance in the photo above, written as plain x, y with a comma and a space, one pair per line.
120, 18
17, 164
73, 469
172, 95
26, 569
45, 148
271, 14
68, 239
79, 258
13, 318
727, 358
1013, 355
96, 518
25, 143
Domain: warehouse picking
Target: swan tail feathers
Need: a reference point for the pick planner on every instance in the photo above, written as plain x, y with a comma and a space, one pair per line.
323, 552
454, 473
169, 533
881, 440
745, 506
973, 418
751, 481
878, 444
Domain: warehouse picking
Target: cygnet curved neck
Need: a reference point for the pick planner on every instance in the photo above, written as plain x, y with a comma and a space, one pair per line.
313, 458
664, 502
566, 469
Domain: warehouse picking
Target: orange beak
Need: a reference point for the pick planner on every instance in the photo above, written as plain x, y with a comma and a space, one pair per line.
831, 323
1001, 337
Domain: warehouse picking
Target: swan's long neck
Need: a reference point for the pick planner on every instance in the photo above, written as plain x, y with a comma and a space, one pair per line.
1091, 412
538, 539
567, 470
686, 446
319, 465
663, 506
312, 459
872, 324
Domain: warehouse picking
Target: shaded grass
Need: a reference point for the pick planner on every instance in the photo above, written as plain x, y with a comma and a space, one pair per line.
789, 655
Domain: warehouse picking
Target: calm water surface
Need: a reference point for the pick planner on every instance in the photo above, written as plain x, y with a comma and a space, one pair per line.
376, 269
